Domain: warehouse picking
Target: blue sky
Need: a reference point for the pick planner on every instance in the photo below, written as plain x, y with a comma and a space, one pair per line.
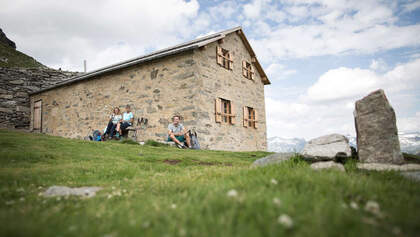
321, 55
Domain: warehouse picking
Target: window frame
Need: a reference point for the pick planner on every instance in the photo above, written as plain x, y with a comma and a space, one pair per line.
248, 70
224, 111
250, 117
224, 58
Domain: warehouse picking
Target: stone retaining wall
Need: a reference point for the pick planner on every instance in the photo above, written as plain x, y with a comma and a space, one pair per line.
15, 86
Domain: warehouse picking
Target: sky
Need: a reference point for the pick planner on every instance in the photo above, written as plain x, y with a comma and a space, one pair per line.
320, 55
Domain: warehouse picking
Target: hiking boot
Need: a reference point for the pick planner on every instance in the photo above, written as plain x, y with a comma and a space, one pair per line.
179, 146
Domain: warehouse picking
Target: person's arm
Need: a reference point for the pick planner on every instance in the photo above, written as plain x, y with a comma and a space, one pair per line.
132, 119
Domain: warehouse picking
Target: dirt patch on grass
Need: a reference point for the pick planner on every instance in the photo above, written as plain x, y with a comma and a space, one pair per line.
207, 163
171, 162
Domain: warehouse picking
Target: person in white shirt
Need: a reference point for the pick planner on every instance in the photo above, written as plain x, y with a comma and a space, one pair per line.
178, 134
114, 123
127, 119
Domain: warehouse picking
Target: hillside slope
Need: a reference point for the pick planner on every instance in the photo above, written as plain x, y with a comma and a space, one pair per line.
165, 191
12, 58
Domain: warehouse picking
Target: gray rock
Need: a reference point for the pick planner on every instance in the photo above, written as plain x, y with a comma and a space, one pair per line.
327, 165
5, 96
17, 82
55, 191
388, 167
412, 175
275, 158
376, 129
326, 147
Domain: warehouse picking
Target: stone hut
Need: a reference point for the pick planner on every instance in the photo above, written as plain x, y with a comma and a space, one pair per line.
215, 83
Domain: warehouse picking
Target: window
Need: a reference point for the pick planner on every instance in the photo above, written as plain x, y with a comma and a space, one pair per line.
225, 111
248, 70
224, 58
250, 117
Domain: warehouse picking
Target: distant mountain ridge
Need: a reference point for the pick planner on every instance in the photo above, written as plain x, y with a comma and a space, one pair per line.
409, 142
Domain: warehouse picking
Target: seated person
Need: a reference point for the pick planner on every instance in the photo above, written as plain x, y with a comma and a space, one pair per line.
127, 119
177, 133
114, 123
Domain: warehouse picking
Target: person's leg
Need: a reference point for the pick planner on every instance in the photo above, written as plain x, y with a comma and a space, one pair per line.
108, 127
111, 132
188, 139
173, 138
119, 128
123, 128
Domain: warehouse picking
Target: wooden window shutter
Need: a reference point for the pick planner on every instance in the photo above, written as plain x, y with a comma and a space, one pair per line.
244, 71
256, 119
245, 116
230, 61
217, 110
252, 73
232, 113
219, 54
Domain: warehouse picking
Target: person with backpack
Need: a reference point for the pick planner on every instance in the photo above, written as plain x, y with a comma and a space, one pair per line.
114, 123
178, 134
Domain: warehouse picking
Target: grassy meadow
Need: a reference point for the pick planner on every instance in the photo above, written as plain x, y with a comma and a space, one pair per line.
164, 191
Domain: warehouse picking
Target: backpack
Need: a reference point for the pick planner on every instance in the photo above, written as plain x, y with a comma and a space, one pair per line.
194, 140
97, 136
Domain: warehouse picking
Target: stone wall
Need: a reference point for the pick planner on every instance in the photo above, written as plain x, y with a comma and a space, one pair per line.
217, 81
155, 90
16, 84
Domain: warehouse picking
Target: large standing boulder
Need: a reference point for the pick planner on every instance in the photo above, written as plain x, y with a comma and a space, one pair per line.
376, 129
326, 148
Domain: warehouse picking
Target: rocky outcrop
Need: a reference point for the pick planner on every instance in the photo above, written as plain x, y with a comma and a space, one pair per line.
388, 167
327, 165
15, 86
376, 129
86, 192
275, 158
326, 148
5, 40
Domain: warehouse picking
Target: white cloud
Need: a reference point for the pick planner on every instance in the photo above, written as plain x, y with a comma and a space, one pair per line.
333, 28
411, 123
378, 65
327, 106
59, 33
342, 83
253, 10
277, 71
409, 7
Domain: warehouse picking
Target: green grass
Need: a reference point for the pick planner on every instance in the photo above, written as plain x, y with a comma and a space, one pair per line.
189, 198
16, 59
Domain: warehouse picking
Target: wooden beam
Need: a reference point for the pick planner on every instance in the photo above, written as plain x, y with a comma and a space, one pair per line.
220, 41
202, 47
254, 59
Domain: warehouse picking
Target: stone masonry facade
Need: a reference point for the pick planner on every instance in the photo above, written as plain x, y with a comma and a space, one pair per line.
186, 84
15, 86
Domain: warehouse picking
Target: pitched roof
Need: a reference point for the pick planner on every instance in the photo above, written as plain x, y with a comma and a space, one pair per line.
187, 46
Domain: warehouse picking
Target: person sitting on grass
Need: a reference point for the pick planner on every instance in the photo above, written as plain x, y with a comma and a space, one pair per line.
127, 119
177, 133
114, 123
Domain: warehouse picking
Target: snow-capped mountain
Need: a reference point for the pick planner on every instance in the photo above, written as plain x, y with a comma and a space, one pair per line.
409, 143
278, 144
